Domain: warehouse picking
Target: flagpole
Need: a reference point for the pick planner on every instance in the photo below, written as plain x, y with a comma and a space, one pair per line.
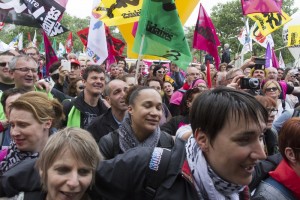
139, 59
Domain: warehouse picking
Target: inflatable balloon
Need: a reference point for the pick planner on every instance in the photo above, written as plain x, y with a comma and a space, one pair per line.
295, 50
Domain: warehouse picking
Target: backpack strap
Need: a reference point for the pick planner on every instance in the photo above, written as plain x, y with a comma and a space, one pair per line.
283, 105
286, 192
156, 171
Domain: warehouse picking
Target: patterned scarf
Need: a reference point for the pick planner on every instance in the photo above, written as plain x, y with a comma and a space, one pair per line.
14, 156
208, 184
128, 140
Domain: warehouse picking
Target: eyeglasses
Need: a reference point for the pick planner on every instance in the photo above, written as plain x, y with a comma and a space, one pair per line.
81, 87
161, 72
3, 64
293, 76
271, 89
30, 54
272, 111
27, 69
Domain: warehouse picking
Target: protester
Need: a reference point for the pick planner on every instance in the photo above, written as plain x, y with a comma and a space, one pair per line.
66, 166
31, 117
7, 98
89, 104
111, 120
178, 75
230, 120
226, 54
271, 141
75, 87
6, 80
283, 182
140, 126
168, 92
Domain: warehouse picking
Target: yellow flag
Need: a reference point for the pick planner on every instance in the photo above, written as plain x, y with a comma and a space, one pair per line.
115, 12
294, 35
269, 22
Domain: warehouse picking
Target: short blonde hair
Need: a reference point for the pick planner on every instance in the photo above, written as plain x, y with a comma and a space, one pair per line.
80, 143
269, 82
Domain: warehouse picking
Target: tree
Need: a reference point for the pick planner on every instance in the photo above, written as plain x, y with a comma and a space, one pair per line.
228, 20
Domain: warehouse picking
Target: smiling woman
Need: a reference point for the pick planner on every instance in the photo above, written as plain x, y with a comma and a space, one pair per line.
140, 127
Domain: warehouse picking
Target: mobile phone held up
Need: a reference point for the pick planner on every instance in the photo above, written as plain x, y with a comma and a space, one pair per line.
66, 65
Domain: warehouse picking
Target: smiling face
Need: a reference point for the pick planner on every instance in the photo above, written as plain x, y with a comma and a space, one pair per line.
67, 178
95, 83
235, 150
25, 79
146, 111
27, 132
168, 89
5, 76
272, 91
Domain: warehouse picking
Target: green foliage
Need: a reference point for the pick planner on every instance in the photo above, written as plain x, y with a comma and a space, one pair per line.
228, 20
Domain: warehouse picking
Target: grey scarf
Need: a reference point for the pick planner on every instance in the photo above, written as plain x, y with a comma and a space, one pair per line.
128, 140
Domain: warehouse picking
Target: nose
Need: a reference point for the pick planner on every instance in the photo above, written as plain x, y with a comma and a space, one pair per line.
14, 131
73, 181
258, 152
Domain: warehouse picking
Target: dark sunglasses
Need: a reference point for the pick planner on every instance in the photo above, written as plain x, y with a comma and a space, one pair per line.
271, 89
3, 64
161, 72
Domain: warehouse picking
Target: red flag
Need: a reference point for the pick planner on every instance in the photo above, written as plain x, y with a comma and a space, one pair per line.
115, 46
208, 74
134, 28
259, 6
1, 25
29, 37
49, 52
275, 62
205, 36
83, 35
69, 43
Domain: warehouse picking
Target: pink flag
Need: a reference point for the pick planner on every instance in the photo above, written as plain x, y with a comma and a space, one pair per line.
261, 6
274, 60
49, 52
134, 28
205, 36
268, 56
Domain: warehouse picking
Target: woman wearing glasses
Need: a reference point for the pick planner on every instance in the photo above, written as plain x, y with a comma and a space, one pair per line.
271, 141
272, 89
160, 72
283, 182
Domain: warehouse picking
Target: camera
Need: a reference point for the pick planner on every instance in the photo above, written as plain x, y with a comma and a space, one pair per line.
250, 83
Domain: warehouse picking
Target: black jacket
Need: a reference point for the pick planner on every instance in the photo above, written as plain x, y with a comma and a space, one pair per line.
102, 125
172, 126
80, 105
110, 147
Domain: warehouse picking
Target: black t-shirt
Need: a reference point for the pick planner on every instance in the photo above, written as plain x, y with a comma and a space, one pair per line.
89, 114
4, 86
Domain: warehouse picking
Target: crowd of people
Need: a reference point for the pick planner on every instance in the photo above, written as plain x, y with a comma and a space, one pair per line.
133, 131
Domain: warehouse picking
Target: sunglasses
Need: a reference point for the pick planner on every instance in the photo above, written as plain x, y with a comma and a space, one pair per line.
161, 72
271, 89
81, 87
3, 64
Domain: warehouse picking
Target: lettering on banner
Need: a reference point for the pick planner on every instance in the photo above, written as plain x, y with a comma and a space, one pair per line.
161, 32
120, 4
261, 21
172, 53
167, 5
92, 55
50, 24
131, 14
271, 19
207, 33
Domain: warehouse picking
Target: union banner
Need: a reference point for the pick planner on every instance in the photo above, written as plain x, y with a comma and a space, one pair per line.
114, 12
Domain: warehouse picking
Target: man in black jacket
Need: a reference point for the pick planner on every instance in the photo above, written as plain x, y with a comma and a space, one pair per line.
114, 94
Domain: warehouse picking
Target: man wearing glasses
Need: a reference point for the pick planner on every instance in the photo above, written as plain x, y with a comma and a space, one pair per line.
24, 70
6, 80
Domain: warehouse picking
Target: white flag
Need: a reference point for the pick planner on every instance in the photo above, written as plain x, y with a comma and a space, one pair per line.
97, 46
256, 35
34, 39
14, 42
281, 62
20, 43
61, 50
245, 39
3, 46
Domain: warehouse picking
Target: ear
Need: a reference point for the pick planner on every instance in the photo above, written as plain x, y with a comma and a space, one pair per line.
202, 139
48, 124
130, 110
40, 172
289, 153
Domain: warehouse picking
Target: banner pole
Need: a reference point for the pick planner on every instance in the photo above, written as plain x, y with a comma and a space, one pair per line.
139, 60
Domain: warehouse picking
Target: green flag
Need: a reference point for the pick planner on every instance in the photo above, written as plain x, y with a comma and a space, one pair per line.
163, 34
54, 46
42, 46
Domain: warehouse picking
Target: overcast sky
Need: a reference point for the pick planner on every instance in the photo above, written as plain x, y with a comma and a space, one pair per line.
83, 8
